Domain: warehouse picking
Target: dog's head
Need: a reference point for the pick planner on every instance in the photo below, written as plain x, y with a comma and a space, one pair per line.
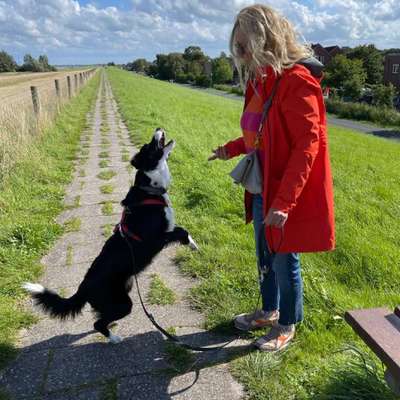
151, 160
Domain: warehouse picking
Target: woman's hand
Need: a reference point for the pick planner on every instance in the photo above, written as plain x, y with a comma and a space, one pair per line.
220, 152
275, 218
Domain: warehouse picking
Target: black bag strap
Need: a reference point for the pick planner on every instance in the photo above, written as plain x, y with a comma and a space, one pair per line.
267, 106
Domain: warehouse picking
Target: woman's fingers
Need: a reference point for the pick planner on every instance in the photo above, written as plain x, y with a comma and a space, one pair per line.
275, 218
220, 153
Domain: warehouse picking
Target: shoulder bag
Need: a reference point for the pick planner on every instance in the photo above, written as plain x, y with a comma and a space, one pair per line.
247, 172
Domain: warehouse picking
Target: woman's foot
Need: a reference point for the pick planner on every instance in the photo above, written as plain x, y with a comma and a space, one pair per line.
256, 320
278, 338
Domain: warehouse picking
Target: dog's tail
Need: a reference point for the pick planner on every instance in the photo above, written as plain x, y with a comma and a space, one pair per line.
55, 305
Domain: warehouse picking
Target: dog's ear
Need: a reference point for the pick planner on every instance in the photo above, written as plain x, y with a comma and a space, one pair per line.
139, 158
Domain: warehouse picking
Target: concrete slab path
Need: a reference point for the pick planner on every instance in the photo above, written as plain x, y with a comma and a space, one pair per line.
63, 361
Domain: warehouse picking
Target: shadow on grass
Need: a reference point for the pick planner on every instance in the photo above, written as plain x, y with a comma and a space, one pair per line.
359, 377
141, 364
388, 134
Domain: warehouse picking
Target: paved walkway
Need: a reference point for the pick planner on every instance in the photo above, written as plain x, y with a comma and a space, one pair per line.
389, 133
69, 360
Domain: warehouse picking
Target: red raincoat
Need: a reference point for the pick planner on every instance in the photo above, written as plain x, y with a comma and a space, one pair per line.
297, 174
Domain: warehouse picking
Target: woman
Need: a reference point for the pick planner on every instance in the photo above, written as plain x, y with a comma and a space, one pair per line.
294, 213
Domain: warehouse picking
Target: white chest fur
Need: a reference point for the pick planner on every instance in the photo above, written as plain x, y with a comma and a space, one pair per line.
169, 214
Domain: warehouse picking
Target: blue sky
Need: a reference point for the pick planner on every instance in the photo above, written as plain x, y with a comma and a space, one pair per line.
84, 31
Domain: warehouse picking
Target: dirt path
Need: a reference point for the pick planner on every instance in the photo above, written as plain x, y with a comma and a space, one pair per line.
71, 361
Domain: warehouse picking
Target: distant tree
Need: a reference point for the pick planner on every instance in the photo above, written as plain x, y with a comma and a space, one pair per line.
7, 62
347, 75
383, 95
33, 65
169, 65
372, 60
193, 53
203, 80
30, 64
153, 69
176, 64
140, 65
222, 70
111, 64
392, 50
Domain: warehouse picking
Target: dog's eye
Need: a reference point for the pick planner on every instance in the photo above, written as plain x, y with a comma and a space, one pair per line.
155, 183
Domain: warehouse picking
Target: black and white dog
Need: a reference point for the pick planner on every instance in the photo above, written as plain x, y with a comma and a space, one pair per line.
147, 224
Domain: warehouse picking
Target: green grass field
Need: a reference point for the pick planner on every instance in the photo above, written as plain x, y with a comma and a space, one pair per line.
362, 272
30, 199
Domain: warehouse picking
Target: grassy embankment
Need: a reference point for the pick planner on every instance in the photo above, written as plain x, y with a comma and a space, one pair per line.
31, 196
362, 272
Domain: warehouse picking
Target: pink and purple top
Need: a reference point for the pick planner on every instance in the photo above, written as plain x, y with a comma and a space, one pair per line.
250, 122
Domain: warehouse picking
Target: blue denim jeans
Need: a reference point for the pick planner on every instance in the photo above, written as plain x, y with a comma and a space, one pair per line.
281, 285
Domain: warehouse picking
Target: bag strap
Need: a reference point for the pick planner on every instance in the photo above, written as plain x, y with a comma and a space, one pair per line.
267, 106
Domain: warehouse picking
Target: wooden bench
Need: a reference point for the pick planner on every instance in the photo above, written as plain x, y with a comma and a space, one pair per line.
380, 330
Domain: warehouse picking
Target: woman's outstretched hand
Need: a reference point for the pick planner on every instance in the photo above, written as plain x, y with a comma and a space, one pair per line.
275, 218
220, 152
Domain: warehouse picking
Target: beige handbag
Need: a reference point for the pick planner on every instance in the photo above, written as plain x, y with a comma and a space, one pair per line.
247, 172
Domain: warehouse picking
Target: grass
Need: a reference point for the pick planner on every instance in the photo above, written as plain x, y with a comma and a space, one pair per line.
106, 175
110, 390
68, 261
30, 199
103, 163
107, 230
72, 225
179, 358
106, 189
107, 208
362, 272
125, 157
159, 293
19, 126
104, 154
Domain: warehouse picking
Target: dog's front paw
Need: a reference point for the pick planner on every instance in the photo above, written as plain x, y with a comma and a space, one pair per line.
114, 339
192, 243
184, 237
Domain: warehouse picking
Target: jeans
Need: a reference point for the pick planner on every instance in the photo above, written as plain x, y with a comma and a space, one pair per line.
281, 285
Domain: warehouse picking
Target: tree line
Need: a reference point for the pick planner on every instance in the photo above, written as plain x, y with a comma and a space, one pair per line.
191, 66
355, 74
30, 64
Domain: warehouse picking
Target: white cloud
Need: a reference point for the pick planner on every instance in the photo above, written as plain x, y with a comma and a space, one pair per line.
71, 31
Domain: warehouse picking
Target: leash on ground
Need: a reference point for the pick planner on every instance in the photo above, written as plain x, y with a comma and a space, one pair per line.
150, 316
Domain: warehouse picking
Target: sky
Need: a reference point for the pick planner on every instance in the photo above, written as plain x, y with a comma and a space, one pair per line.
100, 31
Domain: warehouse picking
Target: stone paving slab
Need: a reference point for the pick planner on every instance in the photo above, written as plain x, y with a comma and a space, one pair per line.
210, 384
98, 361
78, 394
25, 377
79, 254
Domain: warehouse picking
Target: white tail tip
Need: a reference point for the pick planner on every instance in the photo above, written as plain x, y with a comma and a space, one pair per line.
192, 244
33, 287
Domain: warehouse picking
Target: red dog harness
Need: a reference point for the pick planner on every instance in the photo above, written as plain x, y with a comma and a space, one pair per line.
122, 226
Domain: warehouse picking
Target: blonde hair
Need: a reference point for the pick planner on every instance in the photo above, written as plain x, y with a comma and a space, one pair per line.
271, 40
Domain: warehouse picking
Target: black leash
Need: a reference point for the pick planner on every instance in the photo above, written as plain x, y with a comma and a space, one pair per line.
160, 328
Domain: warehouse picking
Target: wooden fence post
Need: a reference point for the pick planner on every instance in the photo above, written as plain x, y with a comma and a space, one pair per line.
69, 86
76, 83
57, 84
35, 100
80, 79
